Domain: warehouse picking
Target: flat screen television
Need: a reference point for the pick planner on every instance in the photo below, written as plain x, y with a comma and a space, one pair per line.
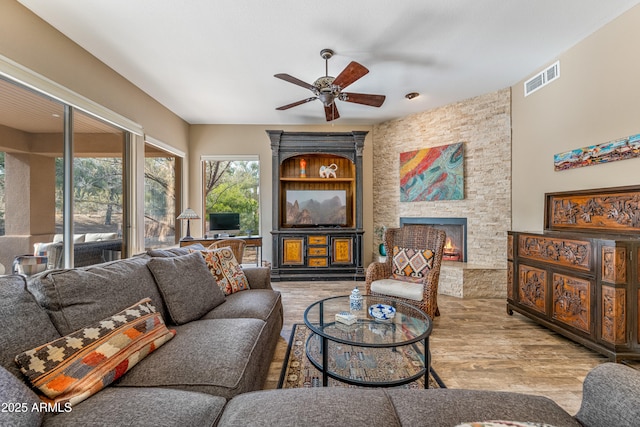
224, 222
316, 208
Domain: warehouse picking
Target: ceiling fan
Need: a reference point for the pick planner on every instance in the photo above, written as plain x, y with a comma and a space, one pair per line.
327, 89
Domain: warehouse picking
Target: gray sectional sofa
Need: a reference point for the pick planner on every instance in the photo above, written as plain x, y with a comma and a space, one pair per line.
212, 371
224, 352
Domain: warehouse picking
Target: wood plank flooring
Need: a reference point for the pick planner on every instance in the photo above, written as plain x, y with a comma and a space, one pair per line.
474, 345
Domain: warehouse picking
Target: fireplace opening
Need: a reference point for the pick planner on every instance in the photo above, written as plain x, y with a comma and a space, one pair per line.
455, 247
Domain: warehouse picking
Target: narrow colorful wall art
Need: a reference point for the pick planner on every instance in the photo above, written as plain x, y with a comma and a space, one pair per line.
621, 149
435, 173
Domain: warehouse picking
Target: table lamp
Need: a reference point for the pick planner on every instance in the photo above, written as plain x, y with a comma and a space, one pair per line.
188, 214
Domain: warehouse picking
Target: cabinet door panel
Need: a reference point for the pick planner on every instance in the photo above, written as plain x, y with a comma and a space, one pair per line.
532, 287
572, 301
293, 251
342, 250
613, 306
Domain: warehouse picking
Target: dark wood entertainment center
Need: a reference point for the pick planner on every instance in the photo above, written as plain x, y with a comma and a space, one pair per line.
580, 277
307, 251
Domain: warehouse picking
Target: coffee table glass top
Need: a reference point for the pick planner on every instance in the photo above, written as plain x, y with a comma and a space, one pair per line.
409, 324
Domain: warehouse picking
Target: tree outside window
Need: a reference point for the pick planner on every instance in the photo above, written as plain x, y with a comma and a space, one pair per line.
233, 186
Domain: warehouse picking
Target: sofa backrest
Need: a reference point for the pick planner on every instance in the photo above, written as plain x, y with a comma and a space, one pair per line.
77, 297
23, 323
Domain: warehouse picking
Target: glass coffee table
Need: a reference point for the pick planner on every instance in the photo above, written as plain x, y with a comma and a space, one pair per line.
369, 352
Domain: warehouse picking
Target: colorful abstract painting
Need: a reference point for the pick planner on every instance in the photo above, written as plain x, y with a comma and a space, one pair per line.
621, 149
435, 173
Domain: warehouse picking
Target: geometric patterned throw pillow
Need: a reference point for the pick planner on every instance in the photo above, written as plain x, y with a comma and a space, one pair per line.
411, 265
226, 270
74, 367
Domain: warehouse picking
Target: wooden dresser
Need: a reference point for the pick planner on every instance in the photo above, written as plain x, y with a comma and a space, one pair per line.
580, 277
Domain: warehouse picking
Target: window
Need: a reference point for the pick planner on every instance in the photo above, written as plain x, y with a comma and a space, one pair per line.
231, 185
160, 197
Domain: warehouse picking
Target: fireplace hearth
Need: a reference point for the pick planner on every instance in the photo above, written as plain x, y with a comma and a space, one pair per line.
455, 248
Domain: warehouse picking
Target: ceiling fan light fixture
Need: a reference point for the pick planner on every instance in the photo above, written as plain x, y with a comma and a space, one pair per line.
326, 97
412, 95
327, 88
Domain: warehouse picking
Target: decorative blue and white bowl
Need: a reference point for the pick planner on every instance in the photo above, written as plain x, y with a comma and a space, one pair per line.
382, 312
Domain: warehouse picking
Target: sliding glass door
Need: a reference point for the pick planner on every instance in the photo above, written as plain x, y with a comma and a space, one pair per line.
41, 197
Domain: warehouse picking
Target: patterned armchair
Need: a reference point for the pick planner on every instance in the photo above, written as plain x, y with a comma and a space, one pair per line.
236, 245
412, 268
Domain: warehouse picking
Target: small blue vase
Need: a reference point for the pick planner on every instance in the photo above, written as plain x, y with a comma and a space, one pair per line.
382, 250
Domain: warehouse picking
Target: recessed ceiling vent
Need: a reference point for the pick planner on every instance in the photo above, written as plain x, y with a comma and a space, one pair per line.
542, 79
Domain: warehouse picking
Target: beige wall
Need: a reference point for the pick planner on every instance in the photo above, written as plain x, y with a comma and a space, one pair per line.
595, 100
32, 43
253, 140
483, 125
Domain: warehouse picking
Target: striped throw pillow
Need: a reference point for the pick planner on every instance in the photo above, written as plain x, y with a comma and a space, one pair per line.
74, 367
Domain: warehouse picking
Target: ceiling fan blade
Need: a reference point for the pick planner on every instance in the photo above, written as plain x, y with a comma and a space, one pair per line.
295, 81
295, 104
350, 74
363, 98
331, 112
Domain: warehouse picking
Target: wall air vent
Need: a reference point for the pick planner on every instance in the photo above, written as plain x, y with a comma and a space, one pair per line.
542, 79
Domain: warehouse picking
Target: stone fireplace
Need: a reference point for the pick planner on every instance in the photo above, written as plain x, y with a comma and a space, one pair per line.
457, 276
483, 124
455, 248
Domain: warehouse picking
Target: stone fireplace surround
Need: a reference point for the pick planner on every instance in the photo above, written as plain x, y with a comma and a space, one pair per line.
459, 278
483, 124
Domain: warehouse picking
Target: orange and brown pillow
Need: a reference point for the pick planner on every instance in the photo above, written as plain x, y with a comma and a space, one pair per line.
76, 366
411, 265
226, 270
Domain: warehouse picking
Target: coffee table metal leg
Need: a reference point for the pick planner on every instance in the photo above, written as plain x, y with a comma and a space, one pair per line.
427, 362
325, 361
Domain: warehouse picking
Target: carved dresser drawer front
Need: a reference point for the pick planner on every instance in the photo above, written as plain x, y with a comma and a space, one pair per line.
565, 252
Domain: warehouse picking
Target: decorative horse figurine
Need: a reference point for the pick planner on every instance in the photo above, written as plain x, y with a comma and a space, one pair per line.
328, 171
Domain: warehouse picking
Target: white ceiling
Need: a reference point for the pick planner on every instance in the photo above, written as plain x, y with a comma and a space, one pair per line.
213, 61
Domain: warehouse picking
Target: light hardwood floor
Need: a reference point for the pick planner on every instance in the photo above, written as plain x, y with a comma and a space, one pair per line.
474, 345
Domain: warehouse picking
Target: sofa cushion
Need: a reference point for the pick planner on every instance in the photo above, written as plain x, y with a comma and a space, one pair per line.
188, 289
256, 304
610, 396
77, 238
78, 297
97, 237
19, 401
447, 407
226, 270
169, 252
398, 288
258, 277
74, 367
23, 323
157, 407
313, 407
410, 264
214, 356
